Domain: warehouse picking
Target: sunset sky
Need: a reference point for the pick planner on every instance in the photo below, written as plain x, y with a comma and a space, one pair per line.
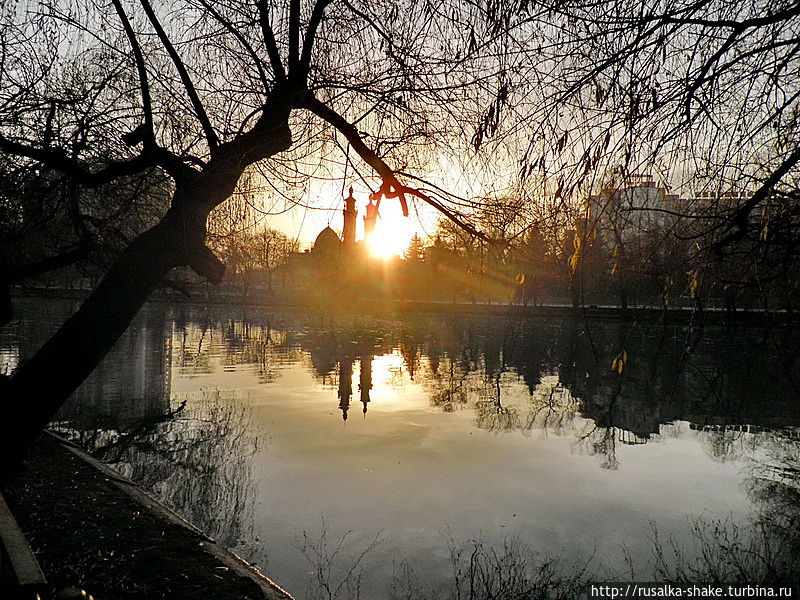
392, 232
321, 199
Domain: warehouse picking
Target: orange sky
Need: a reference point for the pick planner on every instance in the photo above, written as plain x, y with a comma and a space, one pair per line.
393, 231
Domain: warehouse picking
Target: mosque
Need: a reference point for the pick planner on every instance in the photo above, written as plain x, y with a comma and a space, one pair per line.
328, 243
333, 263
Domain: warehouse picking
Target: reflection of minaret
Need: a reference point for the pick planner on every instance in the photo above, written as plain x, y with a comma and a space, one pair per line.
369, 220
350, 212
365, 379
345, 386
410, 354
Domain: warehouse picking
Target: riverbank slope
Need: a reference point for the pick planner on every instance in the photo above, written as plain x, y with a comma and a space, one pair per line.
95, 531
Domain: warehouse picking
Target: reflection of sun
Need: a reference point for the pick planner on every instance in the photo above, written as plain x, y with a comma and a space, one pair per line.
387, 369
392, 388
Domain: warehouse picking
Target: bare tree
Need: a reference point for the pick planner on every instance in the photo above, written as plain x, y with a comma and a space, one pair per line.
202, 92
701, 93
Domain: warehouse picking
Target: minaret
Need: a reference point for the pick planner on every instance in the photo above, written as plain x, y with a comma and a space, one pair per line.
350, 212
369, 220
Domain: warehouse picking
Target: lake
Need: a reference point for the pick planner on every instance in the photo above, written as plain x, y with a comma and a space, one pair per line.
305, 439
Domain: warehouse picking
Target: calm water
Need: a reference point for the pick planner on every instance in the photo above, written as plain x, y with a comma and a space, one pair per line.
273, 430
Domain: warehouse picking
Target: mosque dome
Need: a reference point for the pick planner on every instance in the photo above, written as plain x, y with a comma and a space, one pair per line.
327, 241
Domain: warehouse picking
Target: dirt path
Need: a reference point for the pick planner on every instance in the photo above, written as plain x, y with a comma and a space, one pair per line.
94, 532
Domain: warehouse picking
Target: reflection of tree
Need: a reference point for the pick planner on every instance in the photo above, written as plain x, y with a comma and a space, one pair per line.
193, 357
724, 377
722, 381
236, 343
766, 550
257, 345
602, 441
109, 443
198, 461
491, 415
448, 385
710, 377
131, 384
553, 408
774, 484
552, 376
549, 408
727, 443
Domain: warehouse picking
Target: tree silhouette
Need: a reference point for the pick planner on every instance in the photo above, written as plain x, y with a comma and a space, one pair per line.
702, 94
202, 93
196, 96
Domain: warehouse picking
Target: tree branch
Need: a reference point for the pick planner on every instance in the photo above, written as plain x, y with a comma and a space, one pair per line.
207, 265
242, 40
47, 264
147, 107
741, 217
311, 34
375, 27
783, 15
350, 132
391, 187
701, 77
269, 41
55, 158
294, 36
191, 91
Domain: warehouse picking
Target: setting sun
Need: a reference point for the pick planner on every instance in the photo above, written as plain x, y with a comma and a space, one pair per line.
391, 237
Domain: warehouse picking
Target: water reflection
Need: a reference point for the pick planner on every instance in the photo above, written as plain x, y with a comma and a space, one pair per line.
345, 387
198, 461
186, 401
516, 375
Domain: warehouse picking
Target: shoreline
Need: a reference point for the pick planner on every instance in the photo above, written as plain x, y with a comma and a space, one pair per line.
93, 529
389, 307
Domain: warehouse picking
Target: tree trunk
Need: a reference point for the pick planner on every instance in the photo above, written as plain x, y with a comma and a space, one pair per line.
40, 385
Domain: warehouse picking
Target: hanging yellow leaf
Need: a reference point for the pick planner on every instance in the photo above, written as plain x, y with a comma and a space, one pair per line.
764, 233
614, 268
619, 362
573, 261
521, 279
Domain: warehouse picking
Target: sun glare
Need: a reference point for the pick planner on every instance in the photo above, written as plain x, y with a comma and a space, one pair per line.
390, 238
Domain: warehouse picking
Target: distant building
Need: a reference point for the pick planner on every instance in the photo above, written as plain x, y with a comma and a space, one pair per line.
637, 208
331, 261
618, 247
723, 203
